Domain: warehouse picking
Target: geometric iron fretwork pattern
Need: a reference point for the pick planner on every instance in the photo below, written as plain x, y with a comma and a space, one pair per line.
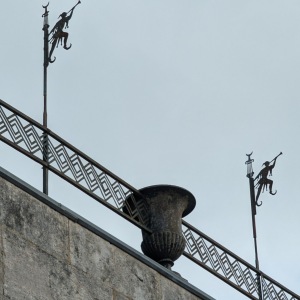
43, 146
48, 149
230, 268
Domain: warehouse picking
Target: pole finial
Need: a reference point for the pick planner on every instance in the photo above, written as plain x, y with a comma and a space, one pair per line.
45, 16
249, 165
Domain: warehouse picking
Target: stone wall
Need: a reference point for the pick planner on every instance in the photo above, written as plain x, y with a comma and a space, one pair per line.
49, 252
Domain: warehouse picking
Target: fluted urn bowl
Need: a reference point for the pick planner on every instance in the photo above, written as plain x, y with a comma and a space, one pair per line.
165, 206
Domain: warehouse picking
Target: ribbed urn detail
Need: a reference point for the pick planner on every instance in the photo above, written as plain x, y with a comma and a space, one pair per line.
166, 205
164, 247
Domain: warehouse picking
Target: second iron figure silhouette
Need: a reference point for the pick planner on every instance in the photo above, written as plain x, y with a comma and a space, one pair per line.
263, 181
58, 33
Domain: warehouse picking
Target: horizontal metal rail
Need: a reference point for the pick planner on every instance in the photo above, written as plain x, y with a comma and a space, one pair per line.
29, 137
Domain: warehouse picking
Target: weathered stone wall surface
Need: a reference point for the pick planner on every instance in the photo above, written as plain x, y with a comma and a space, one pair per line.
45, 254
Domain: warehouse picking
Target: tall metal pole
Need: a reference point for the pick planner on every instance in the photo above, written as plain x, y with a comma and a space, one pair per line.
250, 174
46, 63
57, 35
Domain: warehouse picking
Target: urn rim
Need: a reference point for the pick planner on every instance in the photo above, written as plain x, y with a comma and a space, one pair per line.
151, 190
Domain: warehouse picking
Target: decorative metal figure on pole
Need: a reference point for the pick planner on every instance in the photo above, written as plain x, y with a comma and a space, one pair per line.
57, 35
263, 183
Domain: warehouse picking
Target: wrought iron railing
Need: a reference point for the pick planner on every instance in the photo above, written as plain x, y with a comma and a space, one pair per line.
230, 268
29, 137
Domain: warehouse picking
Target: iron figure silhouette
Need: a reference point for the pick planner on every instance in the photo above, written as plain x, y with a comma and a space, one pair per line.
58, 33
263, 181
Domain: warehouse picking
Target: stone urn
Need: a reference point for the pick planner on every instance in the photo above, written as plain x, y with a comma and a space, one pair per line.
165, 207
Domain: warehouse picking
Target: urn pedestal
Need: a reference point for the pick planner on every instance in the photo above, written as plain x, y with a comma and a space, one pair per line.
166, 205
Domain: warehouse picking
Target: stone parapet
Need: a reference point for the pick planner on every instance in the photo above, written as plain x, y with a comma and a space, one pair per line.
49, 252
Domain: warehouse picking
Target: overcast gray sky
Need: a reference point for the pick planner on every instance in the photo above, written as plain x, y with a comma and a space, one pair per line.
174, 92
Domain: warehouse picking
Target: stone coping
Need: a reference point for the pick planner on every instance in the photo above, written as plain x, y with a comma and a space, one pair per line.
101, 233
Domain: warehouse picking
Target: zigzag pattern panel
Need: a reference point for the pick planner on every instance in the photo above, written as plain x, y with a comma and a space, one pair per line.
220, 262
26, 135
273, 292
68, 162
231, 267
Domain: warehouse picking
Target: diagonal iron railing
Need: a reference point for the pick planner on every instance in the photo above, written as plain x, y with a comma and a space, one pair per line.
37, 142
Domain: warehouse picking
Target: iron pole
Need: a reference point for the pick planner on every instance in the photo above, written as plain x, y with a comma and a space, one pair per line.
250, 174
253, 208
46, 63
